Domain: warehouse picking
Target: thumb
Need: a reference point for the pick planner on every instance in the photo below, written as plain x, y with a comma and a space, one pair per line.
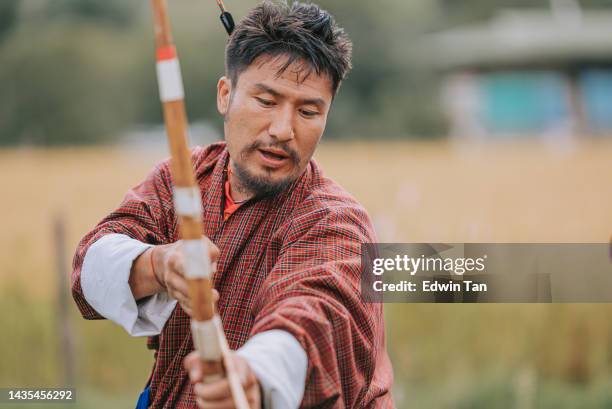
194, 367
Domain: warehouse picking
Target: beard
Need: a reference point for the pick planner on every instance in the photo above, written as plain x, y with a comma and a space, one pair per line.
262, 186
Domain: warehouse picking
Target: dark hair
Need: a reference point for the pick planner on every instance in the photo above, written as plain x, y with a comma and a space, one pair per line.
302, 32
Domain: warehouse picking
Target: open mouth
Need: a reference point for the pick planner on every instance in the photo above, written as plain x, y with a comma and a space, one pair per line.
273, 158
274, 154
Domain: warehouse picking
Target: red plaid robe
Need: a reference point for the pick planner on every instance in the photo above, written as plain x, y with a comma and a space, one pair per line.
289, 262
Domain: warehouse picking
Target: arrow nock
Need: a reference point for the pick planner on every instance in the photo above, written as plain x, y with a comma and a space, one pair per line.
226, 18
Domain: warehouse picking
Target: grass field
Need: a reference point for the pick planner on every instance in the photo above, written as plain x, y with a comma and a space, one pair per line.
481, 356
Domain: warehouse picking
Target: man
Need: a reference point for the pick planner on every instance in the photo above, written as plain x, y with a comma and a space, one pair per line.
287, 240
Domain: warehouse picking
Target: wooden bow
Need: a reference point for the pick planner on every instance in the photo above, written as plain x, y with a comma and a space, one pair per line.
206, 328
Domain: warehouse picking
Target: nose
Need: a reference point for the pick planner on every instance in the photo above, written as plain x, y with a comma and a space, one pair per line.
281, 126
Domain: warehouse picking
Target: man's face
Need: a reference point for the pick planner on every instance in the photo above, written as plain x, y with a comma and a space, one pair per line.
272, 123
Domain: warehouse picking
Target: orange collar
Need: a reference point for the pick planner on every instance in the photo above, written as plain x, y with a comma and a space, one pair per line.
230, 205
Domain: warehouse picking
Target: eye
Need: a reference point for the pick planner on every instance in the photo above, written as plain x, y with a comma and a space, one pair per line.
308, 114
265, 102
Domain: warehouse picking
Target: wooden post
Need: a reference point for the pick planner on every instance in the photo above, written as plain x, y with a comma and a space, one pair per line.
64, 329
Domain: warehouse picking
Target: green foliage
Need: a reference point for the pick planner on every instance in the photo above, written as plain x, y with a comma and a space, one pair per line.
8, 16
116, 12
82, 71
64, 90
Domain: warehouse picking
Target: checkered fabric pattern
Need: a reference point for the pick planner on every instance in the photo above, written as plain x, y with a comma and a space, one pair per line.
289, 262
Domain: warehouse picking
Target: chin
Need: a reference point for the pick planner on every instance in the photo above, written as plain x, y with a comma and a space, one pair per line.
273, 177
265, 182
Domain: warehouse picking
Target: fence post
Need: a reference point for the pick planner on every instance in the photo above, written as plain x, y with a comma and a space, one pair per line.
64, 329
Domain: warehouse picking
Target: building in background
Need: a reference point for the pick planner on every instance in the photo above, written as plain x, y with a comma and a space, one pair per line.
525, 73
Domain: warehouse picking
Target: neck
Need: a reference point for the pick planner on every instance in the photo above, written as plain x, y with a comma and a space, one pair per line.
237, 191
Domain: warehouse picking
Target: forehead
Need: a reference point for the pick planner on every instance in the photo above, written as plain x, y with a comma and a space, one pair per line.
298, 79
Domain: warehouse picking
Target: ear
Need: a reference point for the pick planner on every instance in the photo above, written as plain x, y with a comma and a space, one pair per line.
224, 90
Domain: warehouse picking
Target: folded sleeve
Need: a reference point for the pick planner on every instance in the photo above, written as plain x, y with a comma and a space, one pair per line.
280, 363
104, 280
145, 215
313, 292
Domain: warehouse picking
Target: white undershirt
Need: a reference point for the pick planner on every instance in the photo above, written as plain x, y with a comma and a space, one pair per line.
276, 357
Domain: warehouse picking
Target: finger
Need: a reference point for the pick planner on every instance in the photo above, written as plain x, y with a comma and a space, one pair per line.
247, 377
224, 404
213, 250
187, 310
213, 391
250, 381
193, 366
215, 295
184, 302
253, 396
177, 295
175, 263
178, 284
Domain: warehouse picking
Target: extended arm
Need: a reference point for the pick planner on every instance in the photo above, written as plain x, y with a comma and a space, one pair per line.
314, 293
145, 215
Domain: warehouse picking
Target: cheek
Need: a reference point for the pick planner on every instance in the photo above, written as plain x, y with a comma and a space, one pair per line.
245, 121
236, 127
315, 131
309, 143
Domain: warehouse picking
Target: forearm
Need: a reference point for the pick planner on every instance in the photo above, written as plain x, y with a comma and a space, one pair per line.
143, 280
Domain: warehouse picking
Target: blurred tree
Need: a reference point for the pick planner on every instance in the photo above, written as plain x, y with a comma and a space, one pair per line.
8, 16
598, 3
117, 12
461, 12
385, 95
87, 73
469, 10
65, 90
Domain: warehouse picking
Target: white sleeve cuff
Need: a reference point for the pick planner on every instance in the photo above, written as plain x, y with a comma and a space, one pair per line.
280, 364
104, 280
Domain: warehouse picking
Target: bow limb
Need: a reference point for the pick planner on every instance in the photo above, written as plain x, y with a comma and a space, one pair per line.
207, 330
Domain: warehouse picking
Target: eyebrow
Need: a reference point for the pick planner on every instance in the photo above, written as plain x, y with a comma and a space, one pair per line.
320, 102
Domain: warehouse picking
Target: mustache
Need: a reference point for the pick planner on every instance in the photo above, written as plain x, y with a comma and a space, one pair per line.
292, 154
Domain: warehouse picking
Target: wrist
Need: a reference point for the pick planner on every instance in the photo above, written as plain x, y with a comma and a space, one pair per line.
143, 282
156, 264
